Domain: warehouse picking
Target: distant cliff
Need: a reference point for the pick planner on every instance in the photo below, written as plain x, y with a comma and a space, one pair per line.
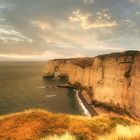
114, 79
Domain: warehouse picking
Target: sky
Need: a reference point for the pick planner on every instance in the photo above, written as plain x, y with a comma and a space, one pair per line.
49, 29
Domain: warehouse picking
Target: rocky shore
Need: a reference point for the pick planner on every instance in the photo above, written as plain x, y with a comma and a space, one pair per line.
87, 104
93, 108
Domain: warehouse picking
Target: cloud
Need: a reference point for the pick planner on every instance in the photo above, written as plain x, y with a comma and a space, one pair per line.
89, 1
88, 21
128, 21
43, 25
44, 56
134, 1
137, 13
89, 31
7, 33
2, 6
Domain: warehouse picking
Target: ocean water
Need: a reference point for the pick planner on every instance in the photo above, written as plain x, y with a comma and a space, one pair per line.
22, 87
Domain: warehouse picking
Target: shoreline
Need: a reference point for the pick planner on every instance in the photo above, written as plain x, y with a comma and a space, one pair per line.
84, 103
86, 107
93, 109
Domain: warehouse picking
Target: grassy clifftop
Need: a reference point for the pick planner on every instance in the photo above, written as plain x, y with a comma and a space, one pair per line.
37, 124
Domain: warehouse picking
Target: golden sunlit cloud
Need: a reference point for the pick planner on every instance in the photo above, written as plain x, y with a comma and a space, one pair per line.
58, 26
86, 21
43, 25
45, 55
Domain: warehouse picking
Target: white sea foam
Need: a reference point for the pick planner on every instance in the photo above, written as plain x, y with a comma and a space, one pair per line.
49, 96
46, 86
86, 112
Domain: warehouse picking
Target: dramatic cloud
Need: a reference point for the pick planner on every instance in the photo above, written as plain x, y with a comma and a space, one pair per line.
88, 21
47, 29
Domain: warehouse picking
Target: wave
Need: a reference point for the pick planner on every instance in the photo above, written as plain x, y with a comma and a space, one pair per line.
46, 86
42, 87
86, 112
49, 96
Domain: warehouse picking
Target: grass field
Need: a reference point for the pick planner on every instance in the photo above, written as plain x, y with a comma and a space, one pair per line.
39, 124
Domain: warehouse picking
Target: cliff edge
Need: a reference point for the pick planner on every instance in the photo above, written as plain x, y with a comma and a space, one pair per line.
39, 124
112, 79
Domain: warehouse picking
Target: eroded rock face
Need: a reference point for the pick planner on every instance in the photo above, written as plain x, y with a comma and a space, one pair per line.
114, 78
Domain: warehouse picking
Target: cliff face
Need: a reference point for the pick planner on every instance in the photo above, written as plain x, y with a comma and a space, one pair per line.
113, 78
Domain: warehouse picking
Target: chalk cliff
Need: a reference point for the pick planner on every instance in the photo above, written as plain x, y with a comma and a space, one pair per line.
114, 79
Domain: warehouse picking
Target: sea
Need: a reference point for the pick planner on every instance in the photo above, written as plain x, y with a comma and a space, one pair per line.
22, 87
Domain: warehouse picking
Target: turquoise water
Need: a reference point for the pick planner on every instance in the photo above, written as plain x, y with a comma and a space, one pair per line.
22, 87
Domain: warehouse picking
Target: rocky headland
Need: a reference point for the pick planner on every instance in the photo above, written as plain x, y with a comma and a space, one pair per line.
110, 81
